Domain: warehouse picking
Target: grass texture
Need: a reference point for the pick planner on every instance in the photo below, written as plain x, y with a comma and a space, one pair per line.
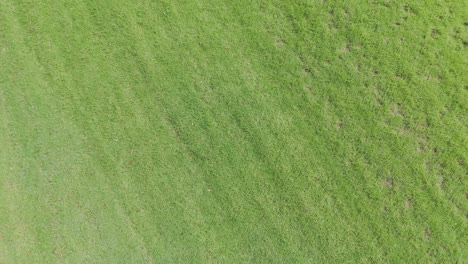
215, 131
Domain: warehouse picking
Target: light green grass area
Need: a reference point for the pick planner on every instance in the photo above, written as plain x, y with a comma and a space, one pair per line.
216, 131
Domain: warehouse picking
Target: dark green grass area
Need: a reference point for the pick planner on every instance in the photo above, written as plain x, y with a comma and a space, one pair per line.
233, 131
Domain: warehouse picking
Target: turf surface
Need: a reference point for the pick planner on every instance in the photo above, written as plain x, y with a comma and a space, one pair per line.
233, 131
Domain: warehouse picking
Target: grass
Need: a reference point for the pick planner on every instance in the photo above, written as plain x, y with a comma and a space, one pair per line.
233, 131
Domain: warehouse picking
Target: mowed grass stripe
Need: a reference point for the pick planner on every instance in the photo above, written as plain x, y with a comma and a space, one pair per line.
207, 131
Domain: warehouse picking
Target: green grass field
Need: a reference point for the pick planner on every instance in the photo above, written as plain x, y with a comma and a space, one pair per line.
215, 131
